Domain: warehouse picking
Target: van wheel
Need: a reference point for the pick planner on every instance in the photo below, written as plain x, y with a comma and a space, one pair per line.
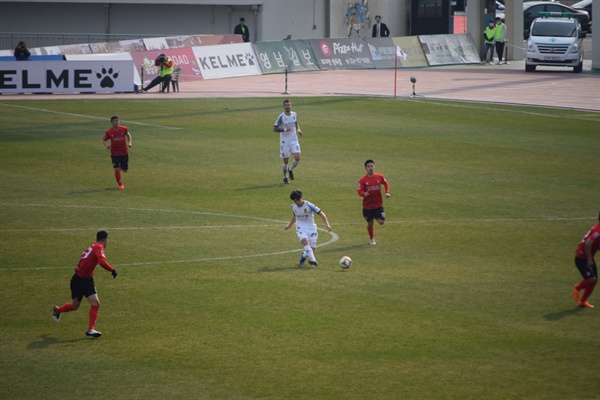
529, 68
578, 68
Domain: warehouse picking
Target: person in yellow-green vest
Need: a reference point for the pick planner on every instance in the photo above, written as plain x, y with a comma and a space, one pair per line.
242, 29
489, 35
500, 39
165, 71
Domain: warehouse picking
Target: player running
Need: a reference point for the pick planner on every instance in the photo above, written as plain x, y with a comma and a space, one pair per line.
120, 141
369, 188
304, 216
82, 282
584, 260
288, 128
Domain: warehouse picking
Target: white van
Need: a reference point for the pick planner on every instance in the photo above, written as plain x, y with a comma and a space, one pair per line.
555, 39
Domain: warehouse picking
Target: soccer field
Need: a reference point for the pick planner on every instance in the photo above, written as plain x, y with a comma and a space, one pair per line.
467, 294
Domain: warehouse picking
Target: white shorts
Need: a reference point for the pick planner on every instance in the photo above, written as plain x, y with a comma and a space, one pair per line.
307, 233
287, 148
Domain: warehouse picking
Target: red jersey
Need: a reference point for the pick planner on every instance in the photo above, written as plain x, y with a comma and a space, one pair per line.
91, 257
594, 236
118, 140
372, 185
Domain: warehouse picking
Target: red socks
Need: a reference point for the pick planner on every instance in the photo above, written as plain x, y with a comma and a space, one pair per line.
588, 292
589, 288
64, 308
118, 177
370, 230
93, 316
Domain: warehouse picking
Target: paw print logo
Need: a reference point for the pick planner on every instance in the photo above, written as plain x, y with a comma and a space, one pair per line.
249, 58
107, 76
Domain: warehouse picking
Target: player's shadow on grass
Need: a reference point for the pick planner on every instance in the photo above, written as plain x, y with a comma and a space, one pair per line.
111, 189
561, 314
46, 341
290, 268
345, 249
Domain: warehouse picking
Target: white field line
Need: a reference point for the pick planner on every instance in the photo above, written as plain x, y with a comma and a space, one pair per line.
334, 236
86, 116
509, 111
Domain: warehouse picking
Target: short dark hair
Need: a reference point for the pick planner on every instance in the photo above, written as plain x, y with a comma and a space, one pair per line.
369, 161
242, 19
286, 101
113, 118
296, 195
101, 235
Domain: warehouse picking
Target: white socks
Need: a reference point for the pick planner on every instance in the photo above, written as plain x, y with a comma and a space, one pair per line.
309, 253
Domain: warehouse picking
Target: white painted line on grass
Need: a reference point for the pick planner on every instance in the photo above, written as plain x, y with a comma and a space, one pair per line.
334, 236
86, 116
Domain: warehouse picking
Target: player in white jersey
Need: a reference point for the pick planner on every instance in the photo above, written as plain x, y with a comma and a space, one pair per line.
304, 216
288, 128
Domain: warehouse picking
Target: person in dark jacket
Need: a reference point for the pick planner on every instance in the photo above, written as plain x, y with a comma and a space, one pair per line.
242, 29
21, 52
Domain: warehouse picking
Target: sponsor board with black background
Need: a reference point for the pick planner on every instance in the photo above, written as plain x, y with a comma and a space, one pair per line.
342, 53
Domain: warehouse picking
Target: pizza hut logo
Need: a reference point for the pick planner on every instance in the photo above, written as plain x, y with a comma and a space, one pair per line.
325, 49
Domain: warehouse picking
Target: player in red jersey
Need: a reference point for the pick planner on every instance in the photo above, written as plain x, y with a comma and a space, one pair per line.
584, 260
120, 143
369, 188
82, 282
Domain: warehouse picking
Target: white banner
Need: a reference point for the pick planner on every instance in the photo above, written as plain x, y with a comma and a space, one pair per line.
66, 76
228, 60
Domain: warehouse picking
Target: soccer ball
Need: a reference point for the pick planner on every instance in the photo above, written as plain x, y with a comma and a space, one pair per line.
345, 262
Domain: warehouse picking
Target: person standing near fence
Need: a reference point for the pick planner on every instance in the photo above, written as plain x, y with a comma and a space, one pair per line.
489, 35
242, 29
22, 53
380, 29
500, 39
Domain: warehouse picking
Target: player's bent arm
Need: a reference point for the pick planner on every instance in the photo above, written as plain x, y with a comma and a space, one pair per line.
292, 222
105, 142
588, 251
104, 264
324, 218
129, 139
278, 129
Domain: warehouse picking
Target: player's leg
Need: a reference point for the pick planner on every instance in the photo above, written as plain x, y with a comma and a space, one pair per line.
308, 251
76, 296
380, 217
312, 243
592, 281
368, 215
296, 154
587, 285
92, 296
116, 163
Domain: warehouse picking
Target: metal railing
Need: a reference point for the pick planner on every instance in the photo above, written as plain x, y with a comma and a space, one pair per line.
9, 40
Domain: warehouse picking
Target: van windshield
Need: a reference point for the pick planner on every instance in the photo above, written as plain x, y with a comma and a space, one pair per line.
557, 29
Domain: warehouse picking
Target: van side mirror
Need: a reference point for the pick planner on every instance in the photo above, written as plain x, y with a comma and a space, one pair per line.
582, 35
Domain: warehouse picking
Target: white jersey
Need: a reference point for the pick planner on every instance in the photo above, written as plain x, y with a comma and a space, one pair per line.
284, 121
305, 215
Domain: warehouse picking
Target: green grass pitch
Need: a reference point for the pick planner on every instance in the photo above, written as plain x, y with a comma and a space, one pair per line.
467, 294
